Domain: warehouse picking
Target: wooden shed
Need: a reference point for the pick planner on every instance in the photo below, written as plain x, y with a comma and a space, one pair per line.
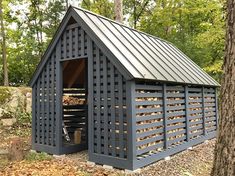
127, 97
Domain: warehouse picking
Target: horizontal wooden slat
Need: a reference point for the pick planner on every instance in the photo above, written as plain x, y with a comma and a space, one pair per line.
148, 133
196, 122
195, 117
175, 101
149, 117
149, 110
148, 102
176, 88
195, 95
148, 95
196, 134
172, 114
149, 125
195, 111
170, 142
148, 87
196, 127
147, 149
211, 119
195, 106
195, 100
149, 140
209, 95
193, 89
176, 120
176, 133
210, 124
175, 95
169, 128
175, 107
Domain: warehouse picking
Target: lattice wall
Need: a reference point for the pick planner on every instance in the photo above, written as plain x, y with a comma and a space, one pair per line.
73, 42
44, 105
109, 107
171, 115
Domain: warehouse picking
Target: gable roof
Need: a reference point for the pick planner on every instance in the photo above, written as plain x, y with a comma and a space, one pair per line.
142, 55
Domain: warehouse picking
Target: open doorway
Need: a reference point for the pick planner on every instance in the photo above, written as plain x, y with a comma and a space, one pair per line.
75, 109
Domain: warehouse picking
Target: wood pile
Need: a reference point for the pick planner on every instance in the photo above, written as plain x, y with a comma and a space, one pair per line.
69, 100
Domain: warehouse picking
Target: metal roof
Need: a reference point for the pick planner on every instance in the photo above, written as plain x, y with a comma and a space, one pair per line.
143, 55
136, 54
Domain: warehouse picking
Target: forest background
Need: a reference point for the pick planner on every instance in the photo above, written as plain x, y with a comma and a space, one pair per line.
196, 27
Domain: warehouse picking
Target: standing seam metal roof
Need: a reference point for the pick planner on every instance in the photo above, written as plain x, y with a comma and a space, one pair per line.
143, 55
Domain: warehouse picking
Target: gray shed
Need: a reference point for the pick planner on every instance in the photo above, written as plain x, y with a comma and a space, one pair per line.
127, 97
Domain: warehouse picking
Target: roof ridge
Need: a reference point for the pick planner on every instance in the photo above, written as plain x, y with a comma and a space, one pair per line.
155, 37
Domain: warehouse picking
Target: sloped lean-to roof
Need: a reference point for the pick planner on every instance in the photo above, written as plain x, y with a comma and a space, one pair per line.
144, 56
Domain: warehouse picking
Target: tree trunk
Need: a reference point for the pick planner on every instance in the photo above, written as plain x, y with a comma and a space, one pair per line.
118, 11
224, 162
4, 52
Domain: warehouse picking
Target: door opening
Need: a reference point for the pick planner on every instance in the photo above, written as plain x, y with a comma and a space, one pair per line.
75, 107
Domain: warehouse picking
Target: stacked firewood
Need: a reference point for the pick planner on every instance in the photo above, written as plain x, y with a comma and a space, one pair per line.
69, 100
161, 119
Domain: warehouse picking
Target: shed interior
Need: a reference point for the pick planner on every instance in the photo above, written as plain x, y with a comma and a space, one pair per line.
74, 99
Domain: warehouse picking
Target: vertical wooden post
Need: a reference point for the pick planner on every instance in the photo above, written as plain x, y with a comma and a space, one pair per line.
90, 98
186, 112
59, 93
34, 109
203, 111
131, 122
165, 115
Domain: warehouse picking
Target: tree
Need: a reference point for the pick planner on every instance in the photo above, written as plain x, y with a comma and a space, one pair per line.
4, 52
224, 162
118, 11
102, 7
196, 27
136, 9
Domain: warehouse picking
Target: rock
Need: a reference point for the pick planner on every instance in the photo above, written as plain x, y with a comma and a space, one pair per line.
16, 149
8, 122
3, 152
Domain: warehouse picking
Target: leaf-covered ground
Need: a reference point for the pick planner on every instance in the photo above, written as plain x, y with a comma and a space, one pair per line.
188, 163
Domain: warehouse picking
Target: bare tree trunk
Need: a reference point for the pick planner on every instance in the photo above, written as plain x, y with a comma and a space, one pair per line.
118, 11
4, 52
224, 162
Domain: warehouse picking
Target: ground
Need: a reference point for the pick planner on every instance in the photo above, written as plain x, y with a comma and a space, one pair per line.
188, 163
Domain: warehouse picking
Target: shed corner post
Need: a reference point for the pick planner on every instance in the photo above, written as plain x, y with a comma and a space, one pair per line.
59, 105
33, 116
90, 98
131, 124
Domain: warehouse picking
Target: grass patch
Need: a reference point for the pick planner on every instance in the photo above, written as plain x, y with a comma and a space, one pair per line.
33, 156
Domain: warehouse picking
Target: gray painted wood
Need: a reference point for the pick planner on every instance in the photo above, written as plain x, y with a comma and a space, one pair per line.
43, 106
34, 109
120, 114
97, 59
48, 103
203, 111
59, 92
186, 112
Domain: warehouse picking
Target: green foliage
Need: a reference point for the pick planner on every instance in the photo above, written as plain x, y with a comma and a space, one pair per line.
33, 156
5, 94
23, 118
102, 7
196, 27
